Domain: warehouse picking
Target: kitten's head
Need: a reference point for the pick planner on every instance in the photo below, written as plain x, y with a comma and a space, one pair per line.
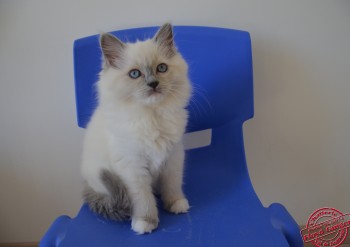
149, 72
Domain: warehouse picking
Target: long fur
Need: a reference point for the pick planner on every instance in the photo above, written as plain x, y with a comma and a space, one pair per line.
115, 205
134, 138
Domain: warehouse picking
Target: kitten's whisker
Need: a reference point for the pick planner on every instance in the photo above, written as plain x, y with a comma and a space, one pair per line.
195, 108
197, 99
202, 92
206, 101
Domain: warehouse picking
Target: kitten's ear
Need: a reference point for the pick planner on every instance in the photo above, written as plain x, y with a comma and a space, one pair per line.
112, 49
165, 39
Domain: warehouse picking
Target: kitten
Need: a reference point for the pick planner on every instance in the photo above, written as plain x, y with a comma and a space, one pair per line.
133, 144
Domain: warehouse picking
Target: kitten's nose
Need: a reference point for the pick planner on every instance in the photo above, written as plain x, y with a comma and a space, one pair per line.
153, 84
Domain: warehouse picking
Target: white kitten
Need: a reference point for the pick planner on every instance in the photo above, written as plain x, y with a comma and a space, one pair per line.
133, 143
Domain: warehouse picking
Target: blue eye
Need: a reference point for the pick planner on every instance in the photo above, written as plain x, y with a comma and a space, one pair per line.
162, 68
134, 73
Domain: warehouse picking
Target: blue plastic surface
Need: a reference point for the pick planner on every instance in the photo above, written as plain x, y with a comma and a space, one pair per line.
225, 211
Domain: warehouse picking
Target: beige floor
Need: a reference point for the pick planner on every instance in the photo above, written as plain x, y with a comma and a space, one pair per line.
35, 244
311, 245
31, 244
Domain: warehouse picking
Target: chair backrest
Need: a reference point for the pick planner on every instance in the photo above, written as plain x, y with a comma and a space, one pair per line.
220, 68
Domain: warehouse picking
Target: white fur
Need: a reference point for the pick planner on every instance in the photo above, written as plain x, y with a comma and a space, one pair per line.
138, 135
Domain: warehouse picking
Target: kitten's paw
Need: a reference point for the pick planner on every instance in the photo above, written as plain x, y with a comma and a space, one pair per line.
142, 226
179, 206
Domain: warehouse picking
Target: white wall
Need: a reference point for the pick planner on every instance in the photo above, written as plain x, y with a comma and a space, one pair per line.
297, 145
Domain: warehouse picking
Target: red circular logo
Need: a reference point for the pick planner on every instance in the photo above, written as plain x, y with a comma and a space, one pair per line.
326, 227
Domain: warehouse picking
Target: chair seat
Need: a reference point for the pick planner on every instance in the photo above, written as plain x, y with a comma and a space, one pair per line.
225, 211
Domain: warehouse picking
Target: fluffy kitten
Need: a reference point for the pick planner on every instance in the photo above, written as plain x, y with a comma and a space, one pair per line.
133, 144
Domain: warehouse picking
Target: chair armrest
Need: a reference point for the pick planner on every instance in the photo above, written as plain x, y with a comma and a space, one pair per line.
56, 232
283, 221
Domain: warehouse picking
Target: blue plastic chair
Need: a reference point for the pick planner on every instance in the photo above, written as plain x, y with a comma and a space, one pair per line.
225, 209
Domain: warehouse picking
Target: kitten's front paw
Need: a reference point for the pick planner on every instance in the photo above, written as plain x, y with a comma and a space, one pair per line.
142, 226
179, 206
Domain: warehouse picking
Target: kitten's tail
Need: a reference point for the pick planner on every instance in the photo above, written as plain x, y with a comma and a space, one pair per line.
116, 205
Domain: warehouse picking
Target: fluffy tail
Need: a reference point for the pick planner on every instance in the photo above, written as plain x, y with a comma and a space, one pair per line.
116, 205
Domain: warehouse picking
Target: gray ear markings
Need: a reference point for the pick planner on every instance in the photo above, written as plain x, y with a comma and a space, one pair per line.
165, 39
112, 49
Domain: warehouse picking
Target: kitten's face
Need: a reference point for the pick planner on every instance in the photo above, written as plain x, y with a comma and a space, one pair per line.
148, 72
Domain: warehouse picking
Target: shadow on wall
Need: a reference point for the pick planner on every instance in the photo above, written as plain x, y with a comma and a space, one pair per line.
292, 123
